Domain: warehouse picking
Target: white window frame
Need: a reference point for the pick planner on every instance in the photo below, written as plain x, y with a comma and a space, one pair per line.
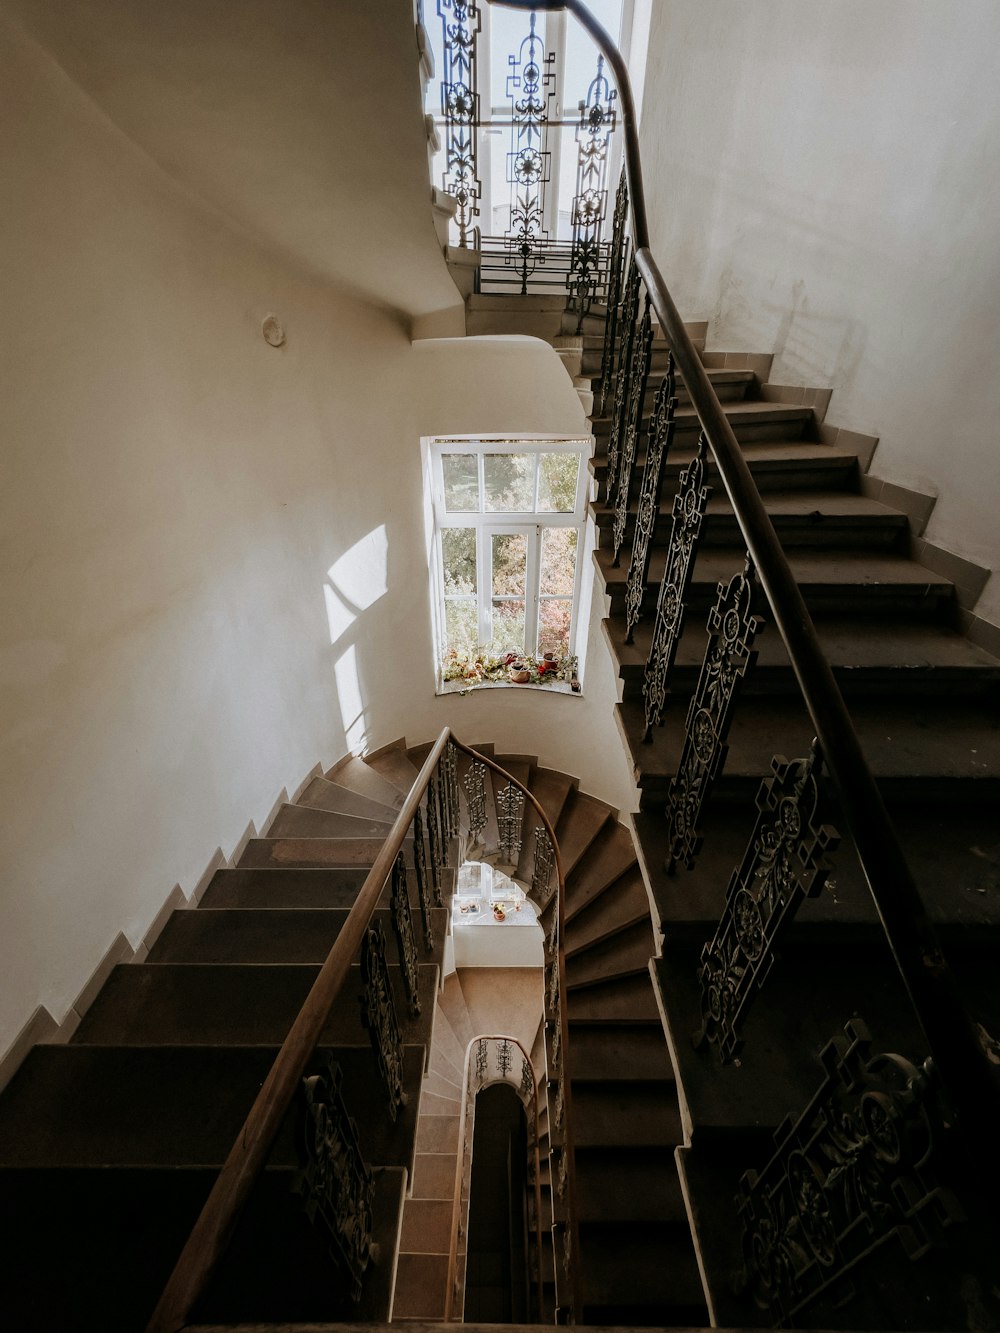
531, 523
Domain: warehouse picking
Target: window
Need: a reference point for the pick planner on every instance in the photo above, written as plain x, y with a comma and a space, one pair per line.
508, 532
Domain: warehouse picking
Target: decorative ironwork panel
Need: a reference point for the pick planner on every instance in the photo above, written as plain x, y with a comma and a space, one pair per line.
671, 603
638, 377
336, 1183
527, 1080
552, 933
552, 983
379, 1016
449, 790
482, 1061
732, 629
402, 925
531, 86
616, 272
784, 863
461, 21
555, 1051
438, 854
504, 1057
544, 863
510, 810
596, 125
475, 795
559, 1102
658, 440
852, 1173
423, 879
560, 1161
623, 382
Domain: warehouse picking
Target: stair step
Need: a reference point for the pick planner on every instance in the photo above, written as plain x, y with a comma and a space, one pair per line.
866, 655
626, 1184
299, 821
324, 795
175, 1004
855, 583
610, 855
396, 768
628, 951
754, 420
639, 1114
952, 749
620, 998
835, 520
625, 903
426, 1226
292, 888
618, 1052
178, 1105
452, 1002
362, 778
582, 820
434, 1176
638, 1274
112, 1235
552, 790
801, 465
279, 852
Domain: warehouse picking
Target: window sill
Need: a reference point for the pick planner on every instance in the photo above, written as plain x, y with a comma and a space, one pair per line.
467, 687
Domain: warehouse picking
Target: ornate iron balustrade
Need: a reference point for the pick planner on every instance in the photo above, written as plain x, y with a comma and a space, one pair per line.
799, 1233
461, 21
531, 87
590, 202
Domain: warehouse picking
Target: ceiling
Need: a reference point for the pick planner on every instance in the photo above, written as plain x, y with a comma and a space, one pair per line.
299, 119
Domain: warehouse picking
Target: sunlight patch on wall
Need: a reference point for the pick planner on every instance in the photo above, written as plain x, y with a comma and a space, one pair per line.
357, 580
352, 709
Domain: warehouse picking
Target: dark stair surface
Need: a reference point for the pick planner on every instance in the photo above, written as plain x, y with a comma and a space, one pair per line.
109, 1145
926, 704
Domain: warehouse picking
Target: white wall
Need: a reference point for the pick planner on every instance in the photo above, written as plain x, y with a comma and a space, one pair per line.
213, 562
824, 182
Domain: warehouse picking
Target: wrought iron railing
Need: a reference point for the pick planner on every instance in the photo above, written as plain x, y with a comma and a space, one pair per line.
547, 892
491, 1059
787, 858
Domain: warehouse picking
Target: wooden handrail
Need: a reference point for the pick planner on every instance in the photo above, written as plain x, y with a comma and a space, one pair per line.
952, 1037
460, 1171
211, 1233
568, 1151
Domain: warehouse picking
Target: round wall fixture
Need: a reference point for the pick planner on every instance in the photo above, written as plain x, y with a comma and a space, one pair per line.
273, 331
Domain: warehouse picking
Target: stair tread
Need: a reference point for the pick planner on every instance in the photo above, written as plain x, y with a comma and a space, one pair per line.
361, 777
582, 819
395, 768
626, 997
805, 503
292, 887
755, 409
298, 851
956, 739
619, 1052
627, 1184
629, 950
300, 821
608, 858
321, 794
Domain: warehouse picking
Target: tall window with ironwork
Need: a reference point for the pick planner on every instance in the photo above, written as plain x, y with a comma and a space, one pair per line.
509, 529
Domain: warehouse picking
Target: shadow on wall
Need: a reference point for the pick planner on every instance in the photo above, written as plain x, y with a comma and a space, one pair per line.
357, 580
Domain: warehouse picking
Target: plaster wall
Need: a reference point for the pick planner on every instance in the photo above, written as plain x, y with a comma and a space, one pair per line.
213, 564
824, 181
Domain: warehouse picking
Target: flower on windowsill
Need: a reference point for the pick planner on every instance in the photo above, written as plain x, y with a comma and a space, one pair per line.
516, 668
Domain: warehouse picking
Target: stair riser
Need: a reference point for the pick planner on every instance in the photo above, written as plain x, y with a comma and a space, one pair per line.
875, 533
768, 478
868, 599
790, 427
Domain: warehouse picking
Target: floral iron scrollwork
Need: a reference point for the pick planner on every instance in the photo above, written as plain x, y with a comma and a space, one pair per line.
475, 795
379, 1016
423, 879
732, 629
688, 515
593, 137
335, 1182
783, 864
435, 842
527, 1080
531, 86
482, 1060
461, 21
504, 1054
544, 862
449, 791
510, 810
623, 382
402, 925
638, 378
658, 440
850, 1174
619, 246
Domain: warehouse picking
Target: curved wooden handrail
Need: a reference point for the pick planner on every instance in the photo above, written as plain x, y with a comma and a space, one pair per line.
211, 1233
460, 1172
952, 1037
563, 1021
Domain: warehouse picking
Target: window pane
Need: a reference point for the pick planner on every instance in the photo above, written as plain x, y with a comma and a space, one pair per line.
461, 483
554, 624
558, 561
461, 618
557, 478
510, 483
458, 556
508, 627
510, 562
